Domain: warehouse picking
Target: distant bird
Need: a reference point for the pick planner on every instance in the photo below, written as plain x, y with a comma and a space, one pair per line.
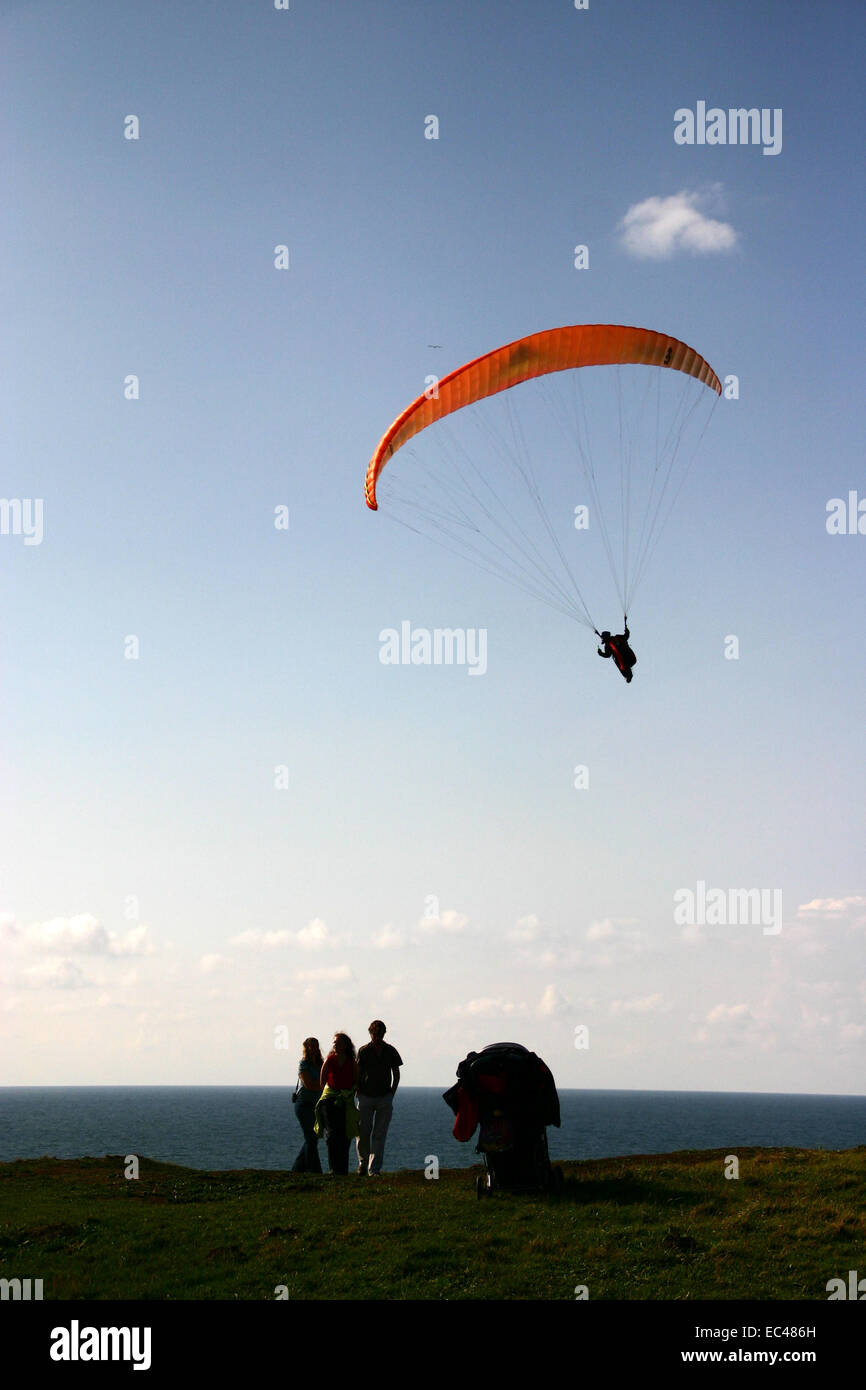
434, 345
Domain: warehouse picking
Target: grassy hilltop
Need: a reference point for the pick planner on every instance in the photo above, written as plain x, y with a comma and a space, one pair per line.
667, 1226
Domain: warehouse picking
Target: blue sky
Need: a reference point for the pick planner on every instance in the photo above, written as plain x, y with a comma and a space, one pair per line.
163, 907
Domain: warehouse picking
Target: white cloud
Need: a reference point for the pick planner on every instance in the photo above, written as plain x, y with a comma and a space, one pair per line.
136, 942
262, 940
658, 227
525, 929
601, 931
82, 933
736, 1026
729, 1013
208, 965
326, 972
539, 949
611, 941
56, 974
616, 942
449, 921
388, 939
489, 1008
537, 956
315, 936
552, 1003
835, 907
650, 1003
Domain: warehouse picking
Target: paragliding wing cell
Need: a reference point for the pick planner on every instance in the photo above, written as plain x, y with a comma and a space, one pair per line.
555, 350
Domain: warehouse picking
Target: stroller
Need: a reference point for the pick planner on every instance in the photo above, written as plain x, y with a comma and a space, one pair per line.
509, 1092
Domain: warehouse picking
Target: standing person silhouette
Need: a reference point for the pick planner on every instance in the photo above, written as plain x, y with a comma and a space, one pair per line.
336, 1115
305, 1097
378, 1078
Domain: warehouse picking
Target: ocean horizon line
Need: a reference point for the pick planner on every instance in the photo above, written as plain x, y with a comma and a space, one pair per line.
404, 1086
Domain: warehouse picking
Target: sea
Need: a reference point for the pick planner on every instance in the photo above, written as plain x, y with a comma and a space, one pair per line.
232, 1127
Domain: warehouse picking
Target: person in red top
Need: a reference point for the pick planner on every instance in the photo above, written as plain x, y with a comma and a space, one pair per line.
618, 648
340, 1072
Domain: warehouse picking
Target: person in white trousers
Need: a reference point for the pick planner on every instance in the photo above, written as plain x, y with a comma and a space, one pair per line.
378, 1078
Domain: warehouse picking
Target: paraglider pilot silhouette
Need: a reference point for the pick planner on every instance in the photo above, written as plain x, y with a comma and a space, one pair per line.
619, 649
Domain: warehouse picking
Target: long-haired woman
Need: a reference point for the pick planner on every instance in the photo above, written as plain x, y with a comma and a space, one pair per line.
339, 1116
307, 1093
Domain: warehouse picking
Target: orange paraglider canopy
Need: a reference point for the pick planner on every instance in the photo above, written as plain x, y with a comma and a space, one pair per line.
555, 350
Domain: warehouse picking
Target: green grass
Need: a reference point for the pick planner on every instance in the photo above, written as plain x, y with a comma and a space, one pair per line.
667, 1226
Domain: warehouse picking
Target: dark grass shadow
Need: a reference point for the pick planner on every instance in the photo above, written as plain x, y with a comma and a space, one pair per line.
626, 1191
